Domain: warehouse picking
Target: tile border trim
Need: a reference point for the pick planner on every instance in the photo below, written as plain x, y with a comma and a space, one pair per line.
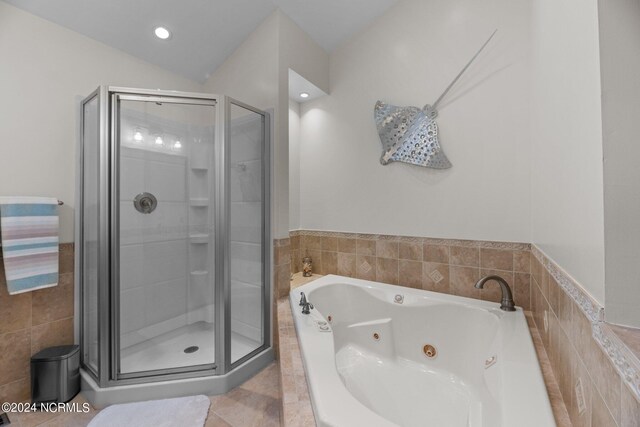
593, 310
487, 244
625, 362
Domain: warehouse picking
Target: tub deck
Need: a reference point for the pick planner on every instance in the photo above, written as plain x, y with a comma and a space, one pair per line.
296, 402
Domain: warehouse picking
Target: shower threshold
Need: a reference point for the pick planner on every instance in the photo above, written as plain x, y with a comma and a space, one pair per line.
167, 350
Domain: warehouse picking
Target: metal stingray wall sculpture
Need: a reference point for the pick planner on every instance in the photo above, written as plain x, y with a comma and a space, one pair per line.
410, 134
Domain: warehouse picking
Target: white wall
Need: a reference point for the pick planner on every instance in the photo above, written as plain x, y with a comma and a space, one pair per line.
294, 165
407, 57
620, 67
45, 69
566, 182
257, 73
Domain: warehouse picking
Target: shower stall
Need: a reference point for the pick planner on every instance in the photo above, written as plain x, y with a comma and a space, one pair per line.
173, 253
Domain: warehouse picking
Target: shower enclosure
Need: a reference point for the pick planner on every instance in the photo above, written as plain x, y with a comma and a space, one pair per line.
173, 243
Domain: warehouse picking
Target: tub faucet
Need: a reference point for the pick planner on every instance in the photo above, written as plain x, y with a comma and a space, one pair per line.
507, 303
306, 305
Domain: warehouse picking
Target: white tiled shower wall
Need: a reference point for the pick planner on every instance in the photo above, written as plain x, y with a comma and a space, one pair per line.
163, 282
154, 248
246, 220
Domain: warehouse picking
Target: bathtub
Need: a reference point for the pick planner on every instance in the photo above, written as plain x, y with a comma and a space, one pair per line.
383, 355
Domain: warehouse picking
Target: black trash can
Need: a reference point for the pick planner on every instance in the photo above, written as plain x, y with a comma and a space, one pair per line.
55, 374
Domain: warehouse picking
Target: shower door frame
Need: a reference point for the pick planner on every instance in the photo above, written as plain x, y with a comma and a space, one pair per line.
109, 249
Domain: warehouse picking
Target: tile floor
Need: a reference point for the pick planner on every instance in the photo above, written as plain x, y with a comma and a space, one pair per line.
256, 403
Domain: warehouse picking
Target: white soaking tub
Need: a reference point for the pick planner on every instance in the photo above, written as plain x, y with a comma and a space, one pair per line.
365, 344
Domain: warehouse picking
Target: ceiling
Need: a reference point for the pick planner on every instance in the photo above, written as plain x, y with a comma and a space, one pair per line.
204, 32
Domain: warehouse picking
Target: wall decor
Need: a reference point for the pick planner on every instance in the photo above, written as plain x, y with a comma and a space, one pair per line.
410, 134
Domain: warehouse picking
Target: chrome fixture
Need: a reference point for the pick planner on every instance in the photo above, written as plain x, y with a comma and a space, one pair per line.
306, 305
145, 203
507, 303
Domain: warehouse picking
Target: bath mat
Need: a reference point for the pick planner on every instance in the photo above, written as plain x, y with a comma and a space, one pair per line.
188, 411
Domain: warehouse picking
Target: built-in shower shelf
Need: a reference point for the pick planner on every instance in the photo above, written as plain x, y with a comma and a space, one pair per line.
199, 202
199, 168
199, 274
199, 238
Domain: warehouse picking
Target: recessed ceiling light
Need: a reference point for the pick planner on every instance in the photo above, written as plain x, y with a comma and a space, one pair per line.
162, 33
304, 95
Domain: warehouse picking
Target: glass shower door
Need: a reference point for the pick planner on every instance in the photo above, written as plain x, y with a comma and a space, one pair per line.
246, 136
164, 263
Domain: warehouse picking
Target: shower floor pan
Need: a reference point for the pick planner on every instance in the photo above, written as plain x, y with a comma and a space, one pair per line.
168, 350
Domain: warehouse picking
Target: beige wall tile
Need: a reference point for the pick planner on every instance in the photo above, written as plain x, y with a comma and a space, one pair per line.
15, 353
630, 408
365, 247
295, 242
539, 306
522, 261
561, 355
296, 261
581, 335
283, 280
346, 245
522, 292
312, 242
316, 260
366, 267
282, 255
410, 250
536, 270
553, 296
16, 309
492, 291
387, 249
544, 286
605, 380
51, 334
330, 244
600, 415
460, 255
329, 262
435, 253
53, 303
552, 347
346, 264
462, 281
561, 304
65, 261
410, 273
579, 372
32, 321
435, 277
496, 259
387, 270
17, 391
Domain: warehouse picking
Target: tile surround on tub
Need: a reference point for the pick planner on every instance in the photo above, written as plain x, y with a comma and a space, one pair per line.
441, 265
586, 355
577, 340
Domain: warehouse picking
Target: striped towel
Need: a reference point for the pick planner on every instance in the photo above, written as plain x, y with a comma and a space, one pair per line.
29, 230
